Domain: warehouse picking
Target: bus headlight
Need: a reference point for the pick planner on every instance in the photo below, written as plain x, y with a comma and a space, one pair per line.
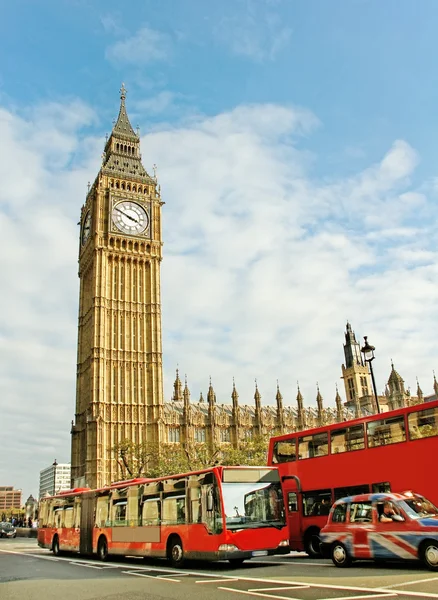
228, 548
283, 543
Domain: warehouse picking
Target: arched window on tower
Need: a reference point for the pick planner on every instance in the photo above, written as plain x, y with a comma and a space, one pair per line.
122, 333
122, 384
140, 334
140, 284
115, 281
134, 384
114, 383
114, 340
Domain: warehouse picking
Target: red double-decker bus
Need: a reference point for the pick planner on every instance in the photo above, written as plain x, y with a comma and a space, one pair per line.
221, 513
389, 452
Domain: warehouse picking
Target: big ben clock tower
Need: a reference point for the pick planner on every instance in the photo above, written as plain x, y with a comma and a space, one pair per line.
119, 389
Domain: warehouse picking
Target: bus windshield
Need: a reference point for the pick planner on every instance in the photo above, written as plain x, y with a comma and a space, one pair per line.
253, 505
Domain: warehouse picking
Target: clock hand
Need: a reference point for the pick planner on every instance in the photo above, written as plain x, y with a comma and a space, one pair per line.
126, 215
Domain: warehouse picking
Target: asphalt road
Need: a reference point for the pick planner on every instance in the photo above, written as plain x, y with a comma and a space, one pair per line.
30, 573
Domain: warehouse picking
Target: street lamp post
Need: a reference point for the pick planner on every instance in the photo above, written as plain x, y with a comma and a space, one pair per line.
368, 353
55, 464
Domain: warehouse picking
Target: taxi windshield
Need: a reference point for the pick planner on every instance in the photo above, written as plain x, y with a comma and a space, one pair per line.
419, 507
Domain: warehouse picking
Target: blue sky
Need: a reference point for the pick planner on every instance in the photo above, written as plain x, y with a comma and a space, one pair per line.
296, 149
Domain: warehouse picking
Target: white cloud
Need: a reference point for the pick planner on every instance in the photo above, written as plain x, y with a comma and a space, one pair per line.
255, 32
262, 265
145, 46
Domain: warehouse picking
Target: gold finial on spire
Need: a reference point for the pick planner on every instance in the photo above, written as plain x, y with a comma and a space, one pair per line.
123, 92
154, 167
88, 185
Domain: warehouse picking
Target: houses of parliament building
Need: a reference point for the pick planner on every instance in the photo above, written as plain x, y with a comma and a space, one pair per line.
119, 388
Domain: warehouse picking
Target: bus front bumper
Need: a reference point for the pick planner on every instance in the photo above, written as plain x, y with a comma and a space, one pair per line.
230, 552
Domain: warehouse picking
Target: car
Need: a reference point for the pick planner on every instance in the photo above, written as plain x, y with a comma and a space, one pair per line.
7, 530
358, 529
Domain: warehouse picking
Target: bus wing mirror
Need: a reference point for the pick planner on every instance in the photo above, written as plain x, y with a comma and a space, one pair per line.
210, 501
295, 478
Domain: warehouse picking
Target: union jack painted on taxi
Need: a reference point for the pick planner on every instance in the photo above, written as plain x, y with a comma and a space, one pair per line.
354, 531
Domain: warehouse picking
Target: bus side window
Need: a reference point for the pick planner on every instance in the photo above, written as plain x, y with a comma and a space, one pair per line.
317, 502
383, 487
292, 502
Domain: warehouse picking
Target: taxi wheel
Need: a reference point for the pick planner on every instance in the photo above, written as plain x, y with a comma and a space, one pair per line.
340, 556
429, 555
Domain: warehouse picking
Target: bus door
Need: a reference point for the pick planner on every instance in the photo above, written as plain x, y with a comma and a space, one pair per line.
292, 493
87, 524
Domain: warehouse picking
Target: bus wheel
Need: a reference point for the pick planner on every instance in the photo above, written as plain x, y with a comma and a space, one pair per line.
340, 556
429, 555
102, 549
175, 552
312, 543
55, 546
236, 562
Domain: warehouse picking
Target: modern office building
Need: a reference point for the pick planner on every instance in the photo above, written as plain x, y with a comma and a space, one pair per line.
54, 479
9, 498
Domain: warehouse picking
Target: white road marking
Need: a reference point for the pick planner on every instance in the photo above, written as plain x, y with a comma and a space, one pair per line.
217, 580
33, 555
282, 582
151, 576
248, 593
364, 596
289, 587
413, 582
82, 564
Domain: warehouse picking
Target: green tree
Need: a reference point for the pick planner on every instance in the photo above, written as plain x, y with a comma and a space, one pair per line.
153, 460
248, 453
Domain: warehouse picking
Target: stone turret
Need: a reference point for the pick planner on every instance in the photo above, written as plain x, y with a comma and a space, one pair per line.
258, 410
420, 394
339, 407
301, 411
177, 389
280, 411
319, 403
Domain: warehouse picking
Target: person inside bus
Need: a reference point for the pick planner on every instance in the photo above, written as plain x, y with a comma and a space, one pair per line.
389, 514
324, 509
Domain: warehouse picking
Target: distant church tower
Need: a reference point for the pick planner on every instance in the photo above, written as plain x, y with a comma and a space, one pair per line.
119, 389
356, 375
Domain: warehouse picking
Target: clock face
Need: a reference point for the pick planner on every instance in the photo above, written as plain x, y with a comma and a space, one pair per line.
130, 217
86, 227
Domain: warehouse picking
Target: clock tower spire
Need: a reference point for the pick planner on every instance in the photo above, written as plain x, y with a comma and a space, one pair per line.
119, 390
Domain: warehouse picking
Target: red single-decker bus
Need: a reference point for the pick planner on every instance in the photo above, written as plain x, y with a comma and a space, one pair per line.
221, 513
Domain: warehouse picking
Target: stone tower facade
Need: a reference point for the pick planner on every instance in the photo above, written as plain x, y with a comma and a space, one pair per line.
356, 376
119, 391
